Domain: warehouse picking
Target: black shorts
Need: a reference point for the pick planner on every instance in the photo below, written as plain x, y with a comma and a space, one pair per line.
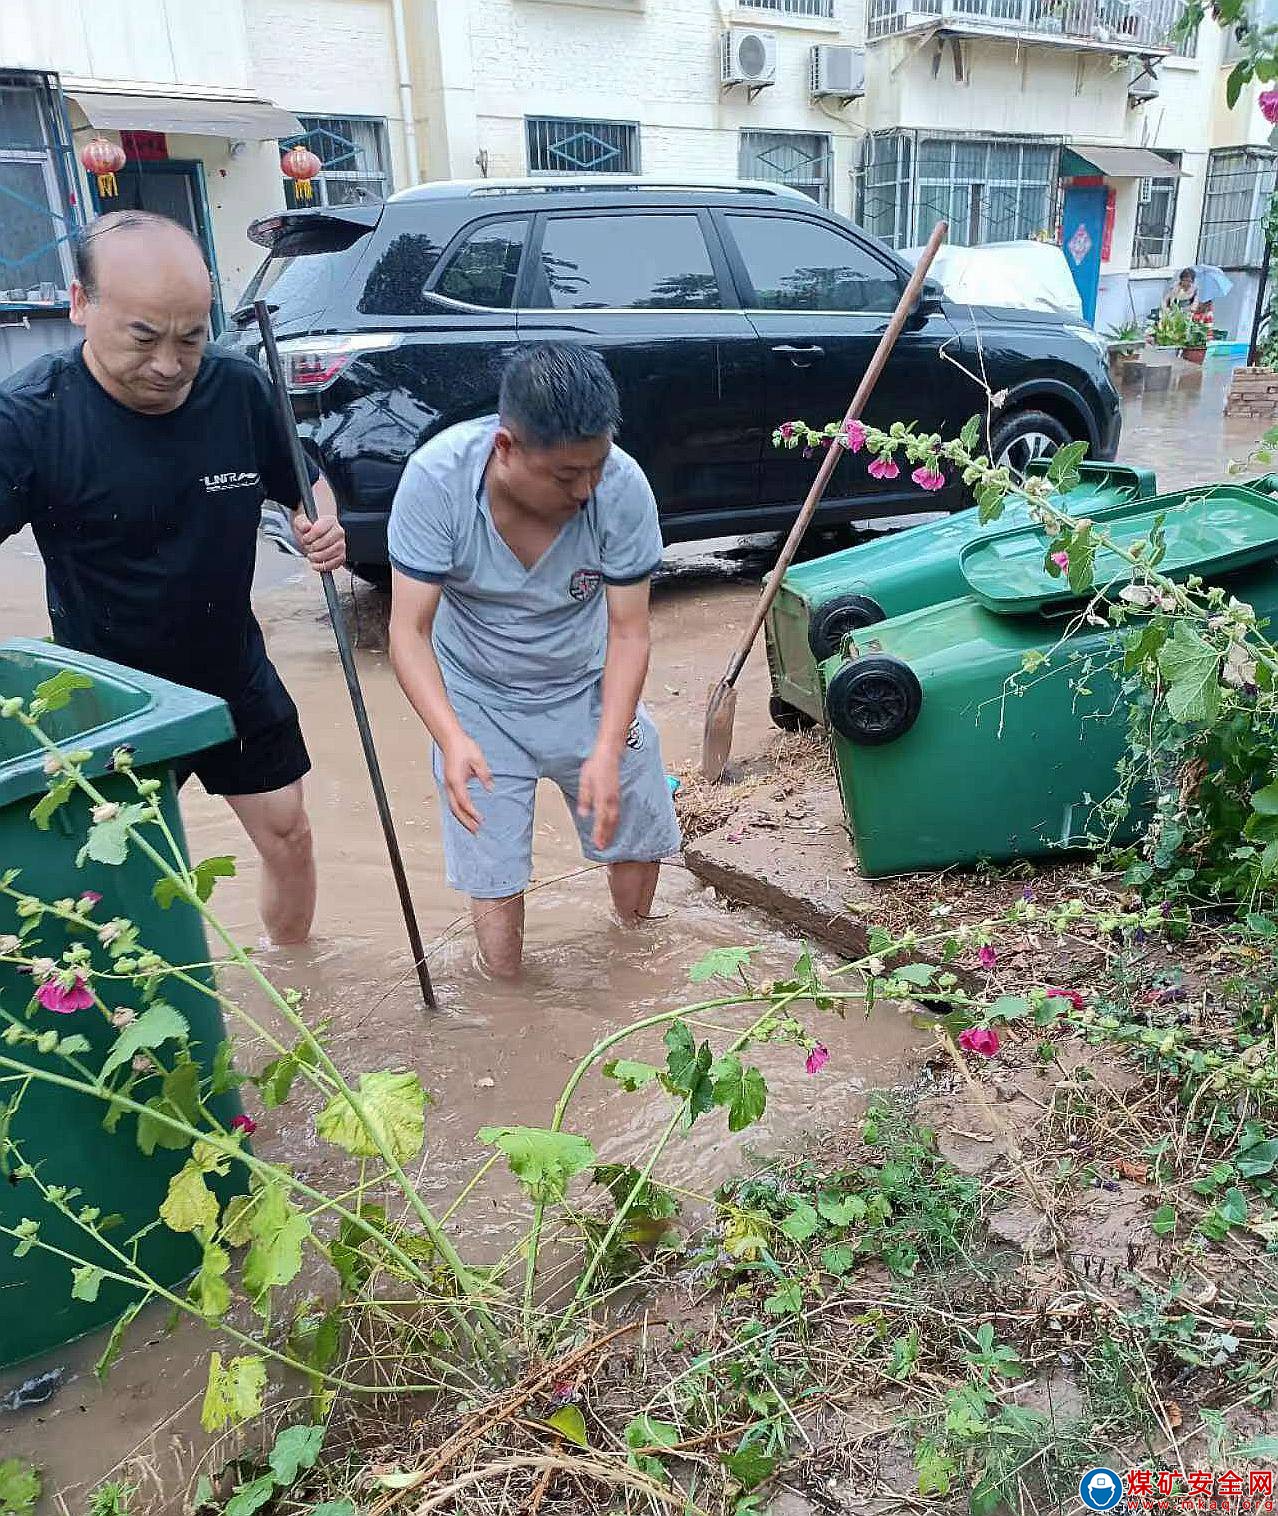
269, 760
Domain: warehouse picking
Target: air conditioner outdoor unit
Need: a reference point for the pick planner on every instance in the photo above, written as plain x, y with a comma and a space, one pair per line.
1142, 83
838, 70
749, 58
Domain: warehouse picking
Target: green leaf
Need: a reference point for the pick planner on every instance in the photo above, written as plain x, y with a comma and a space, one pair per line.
1163, 1221
250, 1497
234, 1392
918, 974
644, 1432
841, 1211
802, 1221
1263, 1448
570, 1423
56, 796
278, 1230
970, 436
934, 1468
838, 1260
154, 1133
541, 1160
1008, 1008
20, 1487
115, 1342
681, 1056
395, 1105
189, 1206
86, 1281
108, 841
750, 1465
204, 875
315, 1338
631, 1076
210, 1293
619, 1179
224, 1077
334, 1508
1258, 1159
721, 963
743, 1090
1265, 801
296, 1448
275, 1082
785, 1300
158, 1024
1233, 1206
990, 502
1239, 75
57, 691
1064, 465
1190, 666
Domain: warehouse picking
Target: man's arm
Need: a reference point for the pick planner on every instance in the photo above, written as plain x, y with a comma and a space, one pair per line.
323, 540
625, 670
413, 607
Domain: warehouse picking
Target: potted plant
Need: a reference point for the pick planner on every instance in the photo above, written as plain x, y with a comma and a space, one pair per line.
1178, 329
1125, 343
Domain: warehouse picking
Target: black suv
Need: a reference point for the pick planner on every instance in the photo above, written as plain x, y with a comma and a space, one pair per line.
721, 312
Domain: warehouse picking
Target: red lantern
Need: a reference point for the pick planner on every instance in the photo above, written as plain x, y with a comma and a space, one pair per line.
301, 165
104, 159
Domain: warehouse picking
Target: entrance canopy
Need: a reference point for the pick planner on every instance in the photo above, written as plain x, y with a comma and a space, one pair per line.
1117, 163
252, 120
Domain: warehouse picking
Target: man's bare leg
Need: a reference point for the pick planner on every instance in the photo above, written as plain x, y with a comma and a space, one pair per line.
499, 926
633, 885
278, 828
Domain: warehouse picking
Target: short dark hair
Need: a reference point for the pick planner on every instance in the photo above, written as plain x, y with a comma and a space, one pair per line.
1187, 273
84, 252
558, 392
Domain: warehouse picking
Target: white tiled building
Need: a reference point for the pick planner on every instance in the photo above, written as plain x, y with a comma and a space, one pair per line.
1005, 116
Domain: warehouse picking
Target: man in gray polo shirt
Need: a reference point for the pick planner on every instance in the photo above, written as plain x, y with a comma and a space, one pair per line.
522, 545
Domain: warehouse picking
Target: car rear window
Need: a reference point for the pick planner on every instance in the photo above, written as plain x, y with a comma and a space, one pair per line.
396, 283
298, 285
637, 261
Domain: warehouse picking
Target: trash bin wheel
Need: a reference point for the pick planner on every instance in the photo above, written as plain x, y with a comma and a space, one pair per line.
836, 618
788, 717
874, 700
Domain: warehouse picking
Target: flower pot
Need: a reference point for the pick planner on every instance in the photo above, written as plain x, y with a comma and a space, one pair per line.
1193, 354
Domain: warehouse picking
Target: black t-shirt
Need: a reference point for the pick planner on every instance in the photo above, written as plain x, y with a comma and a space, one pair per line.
148, 524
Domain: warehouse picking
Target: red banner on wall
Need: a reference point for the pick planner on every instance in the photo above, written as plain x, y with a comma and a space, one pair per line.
145, 147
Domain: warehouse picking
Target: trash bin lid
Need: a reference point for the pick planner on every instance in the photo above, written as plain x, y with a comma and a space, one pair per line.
159, 720
1101, 480
1205, 533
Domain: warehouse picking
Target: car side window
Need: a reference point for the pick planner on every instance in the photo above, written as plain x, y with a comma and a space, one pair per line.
484, 269
799, 265
638, 261
396, 283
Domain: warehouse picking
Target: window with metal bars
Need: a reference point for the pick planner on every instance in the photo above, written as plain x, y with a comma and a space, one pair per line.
35, 223
1240, 182
883, 203
354, 153
562, 145
799, 159
822, 10
1155, 219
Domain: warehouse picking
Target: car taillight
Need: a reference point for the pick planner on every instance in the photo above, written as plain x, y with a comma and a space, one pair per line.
313, 363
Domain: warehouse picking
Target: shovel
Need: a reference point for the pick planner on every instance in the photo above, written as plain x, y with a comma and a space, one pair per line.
721, 710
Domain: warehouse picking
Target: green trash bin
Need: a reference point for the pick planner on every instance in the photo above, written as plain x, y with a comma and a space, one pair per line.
59, 1130
938, 765
821, 601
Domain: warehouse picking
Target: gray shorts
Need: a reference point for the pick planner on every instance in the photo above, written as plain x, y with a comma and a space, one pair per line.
523, 746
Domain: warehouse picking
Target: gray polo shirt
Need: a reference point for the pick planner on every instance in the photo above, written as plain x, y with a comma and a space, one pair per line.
522, 637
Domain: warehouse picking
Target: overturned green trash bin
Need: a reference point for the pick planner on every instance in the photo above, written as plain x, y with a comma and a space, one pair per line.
60, 1132
821, 601
941, 762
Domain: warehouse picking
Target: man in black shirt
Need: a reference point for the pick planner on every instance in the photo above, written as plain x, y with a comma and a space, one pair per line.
141, 460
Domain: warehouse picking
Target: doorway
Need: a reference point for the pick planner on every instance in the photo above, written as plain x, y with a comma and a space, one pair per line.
172, 188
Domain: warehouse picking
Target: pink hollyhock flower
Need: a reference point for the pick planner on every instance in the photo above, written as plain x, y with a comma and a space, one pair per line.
854, 436
928, 478
786, 429
89, 899
1061, 560
62, 1000
1268, 103
817, 1059
244, 1124
883, 468
1074, 998
987, 957
979, 1039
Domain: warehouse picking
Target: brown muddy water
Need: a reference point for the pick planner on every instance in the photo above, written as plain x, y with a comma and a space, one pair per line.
492, 1054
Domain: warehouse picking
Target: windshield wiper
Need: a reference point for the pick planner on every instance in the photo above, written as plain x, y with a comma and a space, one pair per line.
244, 314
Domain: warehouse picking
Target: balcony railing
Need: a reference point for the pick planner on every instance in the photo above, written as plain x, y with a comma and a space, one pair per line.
1119, 26
822, 10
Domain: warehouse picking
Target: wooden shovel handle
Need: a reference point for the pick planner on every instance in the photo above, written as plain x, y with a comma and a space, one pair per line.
882, 353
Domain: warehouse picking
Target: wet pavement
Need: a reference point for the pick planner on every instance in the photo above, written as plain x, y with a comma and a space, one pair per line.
493, 1054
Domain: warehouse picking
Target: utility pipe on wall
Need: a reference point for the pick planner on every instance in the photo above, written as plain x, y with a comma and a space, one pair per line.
406, 92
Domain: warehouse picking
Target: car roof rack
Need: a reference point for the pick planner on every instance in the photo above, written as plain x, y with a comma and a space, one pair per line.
592, 184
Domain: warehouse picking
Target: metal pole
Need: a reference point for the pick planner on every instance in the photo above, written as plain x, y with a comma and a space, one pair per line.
1258, 317
284, 410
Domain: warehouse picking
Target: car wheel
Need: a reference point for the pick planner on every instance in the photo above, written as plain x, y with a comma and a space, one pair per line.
376, 574
831, 623
789, 718
1024, 436
874, 700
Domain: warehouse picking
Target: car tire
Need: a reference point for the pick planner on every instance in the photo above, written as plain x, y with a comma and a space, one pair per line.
831, 623
787, 717
874, 700
1017, 440
376, 574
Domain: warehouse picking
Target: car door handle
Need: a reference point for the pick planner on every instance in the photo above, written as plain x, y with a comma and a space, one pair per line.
800, 357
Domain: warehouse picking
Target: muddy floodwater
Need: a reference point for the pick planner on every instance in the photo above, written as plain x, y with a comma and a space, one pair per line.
492, 1054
